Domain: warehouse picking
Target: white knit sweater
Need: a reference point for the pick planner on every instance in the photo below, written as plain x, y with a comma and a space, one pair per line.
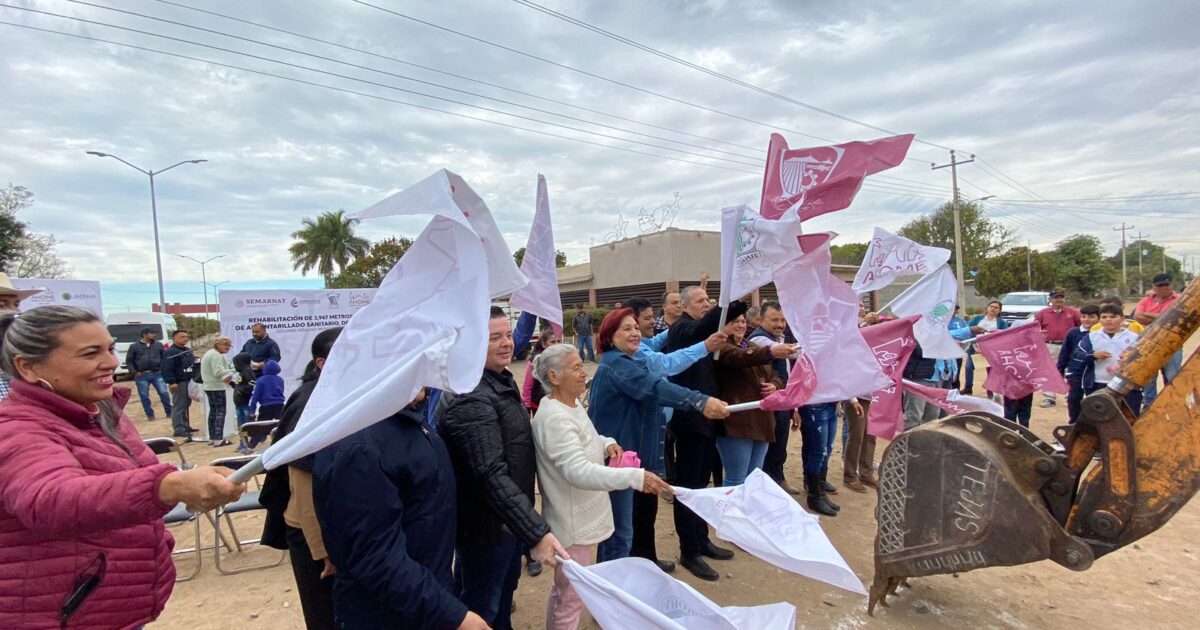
572, 475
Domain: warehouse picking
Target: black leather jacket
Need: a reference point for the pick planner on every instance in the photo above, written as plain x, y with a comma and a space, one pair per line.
490, 439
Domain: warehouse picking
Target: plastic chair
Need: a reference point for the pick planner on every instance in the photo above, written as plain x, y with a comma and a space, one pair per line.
180, 513
257, 431
247, 503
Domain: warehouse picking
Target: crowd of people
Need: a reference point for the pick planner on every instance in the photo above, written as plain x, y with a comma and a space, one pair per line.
423, 519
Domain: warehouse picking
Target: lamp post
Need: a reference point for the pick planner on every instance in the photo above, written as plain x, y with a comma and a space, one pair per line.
203, 276
217, 293
162, 294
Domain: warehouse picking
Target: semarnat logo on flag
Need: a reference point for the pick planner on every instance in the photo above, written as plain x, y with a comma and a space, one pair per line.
817, 180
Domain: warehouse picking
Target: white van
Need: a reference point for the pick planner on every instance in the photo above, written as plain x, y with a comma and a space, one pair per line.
126, 328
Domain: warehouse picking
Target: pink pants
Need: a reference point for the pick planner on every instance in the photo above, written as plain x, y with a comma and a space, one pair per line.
564, 607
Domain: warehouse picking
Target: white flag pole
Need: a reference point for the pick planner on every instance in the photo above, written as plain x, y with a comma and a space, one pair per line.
245, 473
746, 406
720, 327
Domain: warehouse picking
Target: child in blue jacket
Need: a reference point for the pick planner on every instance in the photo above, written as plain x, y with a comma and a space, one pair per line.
267, 401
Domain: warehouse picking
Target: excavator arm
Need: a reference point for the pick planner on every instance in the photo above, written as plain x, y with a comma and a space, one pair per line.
975, 490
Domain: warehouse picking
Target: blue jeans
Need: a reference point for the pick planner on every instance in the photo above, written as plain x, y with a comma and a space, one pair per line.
618, 545
818, 426
1169, 372
485, 579
740, 456
581, 342
143, 383
243, 414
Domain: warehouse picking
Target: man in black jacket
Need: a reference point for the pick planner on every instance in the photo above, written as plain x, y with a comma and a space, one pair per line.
490, 440
178, 361
144, 361
385, 500
695, 435
261, 348
772, 331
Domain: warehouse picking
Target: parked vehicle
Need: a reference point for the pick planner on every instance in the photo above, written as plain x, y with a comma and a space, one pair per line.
126, 328
1019, 307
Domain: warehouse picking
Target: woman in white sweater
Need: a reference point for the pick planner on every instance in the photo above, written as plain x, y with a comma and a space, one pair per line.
574, 479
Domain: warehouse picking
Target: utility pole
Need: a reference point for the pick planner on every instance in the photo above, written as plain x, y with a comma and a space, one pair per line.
1124, 272
1164, 259
1029, 263
958, 252
1141, 279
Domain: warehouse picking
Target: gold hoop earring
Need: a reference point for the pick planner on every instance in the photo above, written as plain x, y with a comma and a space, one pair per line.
45, 384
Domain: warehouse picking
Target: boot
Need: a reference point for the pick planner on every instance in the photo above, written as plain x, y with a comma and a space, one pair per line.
825, 492
816, 498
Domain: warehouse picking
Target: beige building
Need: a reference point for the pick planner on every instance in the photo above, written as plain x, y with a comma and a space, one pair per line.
649, 265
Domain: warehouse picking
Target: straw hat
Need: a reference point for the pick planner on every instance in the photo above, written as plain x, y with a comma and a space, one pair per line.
6, 288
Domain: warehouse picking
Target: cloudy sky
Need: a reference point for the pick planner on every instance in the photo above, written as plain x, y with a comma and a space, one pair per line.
1060, 101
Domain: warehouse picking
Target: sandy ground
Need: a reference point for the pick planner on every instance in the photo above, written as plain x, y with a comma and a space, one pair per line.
1151, 584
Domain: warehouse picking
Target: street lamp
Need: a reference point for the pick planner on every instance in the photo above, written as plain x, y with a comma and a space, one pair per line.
217, 293
203, 276
162, 295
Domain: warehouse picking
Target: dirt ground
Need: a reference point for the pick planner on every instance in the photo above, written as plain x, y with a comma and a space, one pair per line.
1151, 584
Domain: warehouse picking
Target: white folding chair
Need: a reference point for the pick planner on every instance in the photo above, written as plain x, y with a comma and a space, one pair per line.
247, 503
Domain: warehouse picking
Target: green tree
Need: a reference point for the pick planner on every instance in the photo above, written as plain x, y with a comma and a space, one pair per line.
560, 259
849, 254
1010, 272
982, 237
12, 231
1152, 263
1080, 266
370, 269
326, 242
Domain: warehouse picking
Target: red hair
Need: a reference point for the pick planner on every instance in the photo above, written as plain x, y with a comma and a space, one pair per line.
608, 328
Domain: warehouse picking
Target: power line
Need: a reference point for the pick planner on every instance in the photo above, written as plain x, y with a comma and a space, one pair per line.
372, 96
597, 76
710, 72
1147, 196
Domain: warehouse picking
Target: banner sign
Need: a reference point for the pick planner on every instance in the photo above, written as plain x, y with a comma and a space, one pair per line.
82, 293
292, 319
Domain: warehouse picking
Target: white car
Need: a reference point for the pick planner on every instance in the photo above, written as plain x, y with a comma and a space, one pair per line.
126, 328
1019, 307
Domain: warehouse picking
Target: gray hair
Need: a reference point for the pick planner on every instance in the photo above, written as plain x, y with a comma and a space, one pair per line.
686, 293
34, 334
552, 358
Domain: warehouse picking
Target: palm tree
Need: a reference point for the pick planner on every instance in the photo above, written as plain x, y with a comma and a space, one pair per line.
325, 242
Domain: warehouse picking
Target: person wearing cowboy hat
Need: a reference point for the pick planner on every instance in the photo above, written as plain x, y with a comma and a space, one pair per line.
10, 296
10, 300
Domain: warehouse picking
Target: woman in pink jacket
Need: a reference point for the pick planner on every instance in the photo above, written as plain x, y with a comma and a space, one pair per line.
82, 543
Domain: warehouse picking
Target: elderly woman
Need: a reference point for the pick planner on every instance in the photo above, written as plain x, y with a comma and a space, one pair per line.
744, 374
217, 374
82, 500
625, 403
573, 477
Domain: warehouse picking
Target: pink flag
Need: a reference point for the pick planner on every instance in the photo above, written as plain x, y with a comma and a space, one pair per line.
540, 296
823, 179
835, 363
1020, 362
892, 342
952, 400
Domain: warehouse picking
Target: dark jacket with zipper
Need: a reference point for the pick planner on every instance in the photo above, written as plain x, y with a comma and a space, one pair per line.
918, 367
490, 439
385, 500
177, 364
702, 375
144, 357
741, 372
276, 489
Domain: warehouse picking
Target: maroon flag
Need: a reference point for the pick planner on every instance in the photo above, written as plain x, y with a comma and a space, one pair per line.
892, 342
823, 179
1020, 362
952, 400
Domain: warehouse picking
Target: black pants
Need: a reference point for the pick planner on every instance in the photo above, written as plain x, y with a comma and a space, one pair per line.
669, 456
316, 595
216, 415
1074, 399
1018, 410
777, 451
694, 455
645, 513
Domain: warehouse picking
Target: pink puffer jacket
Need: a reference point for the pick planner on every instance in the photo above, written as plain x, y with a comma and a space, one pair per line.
67, 495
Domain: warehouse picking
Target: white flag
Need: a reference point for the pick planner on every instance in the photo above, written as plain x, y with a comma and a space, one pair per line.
426, 327
445, 193
932, 297
540, 296
753, 247
890, 256
634, 594
761, 518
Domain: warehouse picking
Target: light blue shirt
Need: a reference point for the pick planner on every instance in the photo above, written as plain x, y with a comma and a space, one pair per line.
650, 352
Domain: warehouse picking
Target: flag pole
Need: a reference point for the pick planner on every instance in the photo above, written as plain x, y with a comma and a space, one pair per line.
245, 473
746, 406
720, 327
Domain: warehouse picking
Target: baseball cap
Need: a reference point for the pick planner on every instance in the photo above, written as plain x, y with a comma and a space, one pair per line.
1162, 279
148, 329
1057, 293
